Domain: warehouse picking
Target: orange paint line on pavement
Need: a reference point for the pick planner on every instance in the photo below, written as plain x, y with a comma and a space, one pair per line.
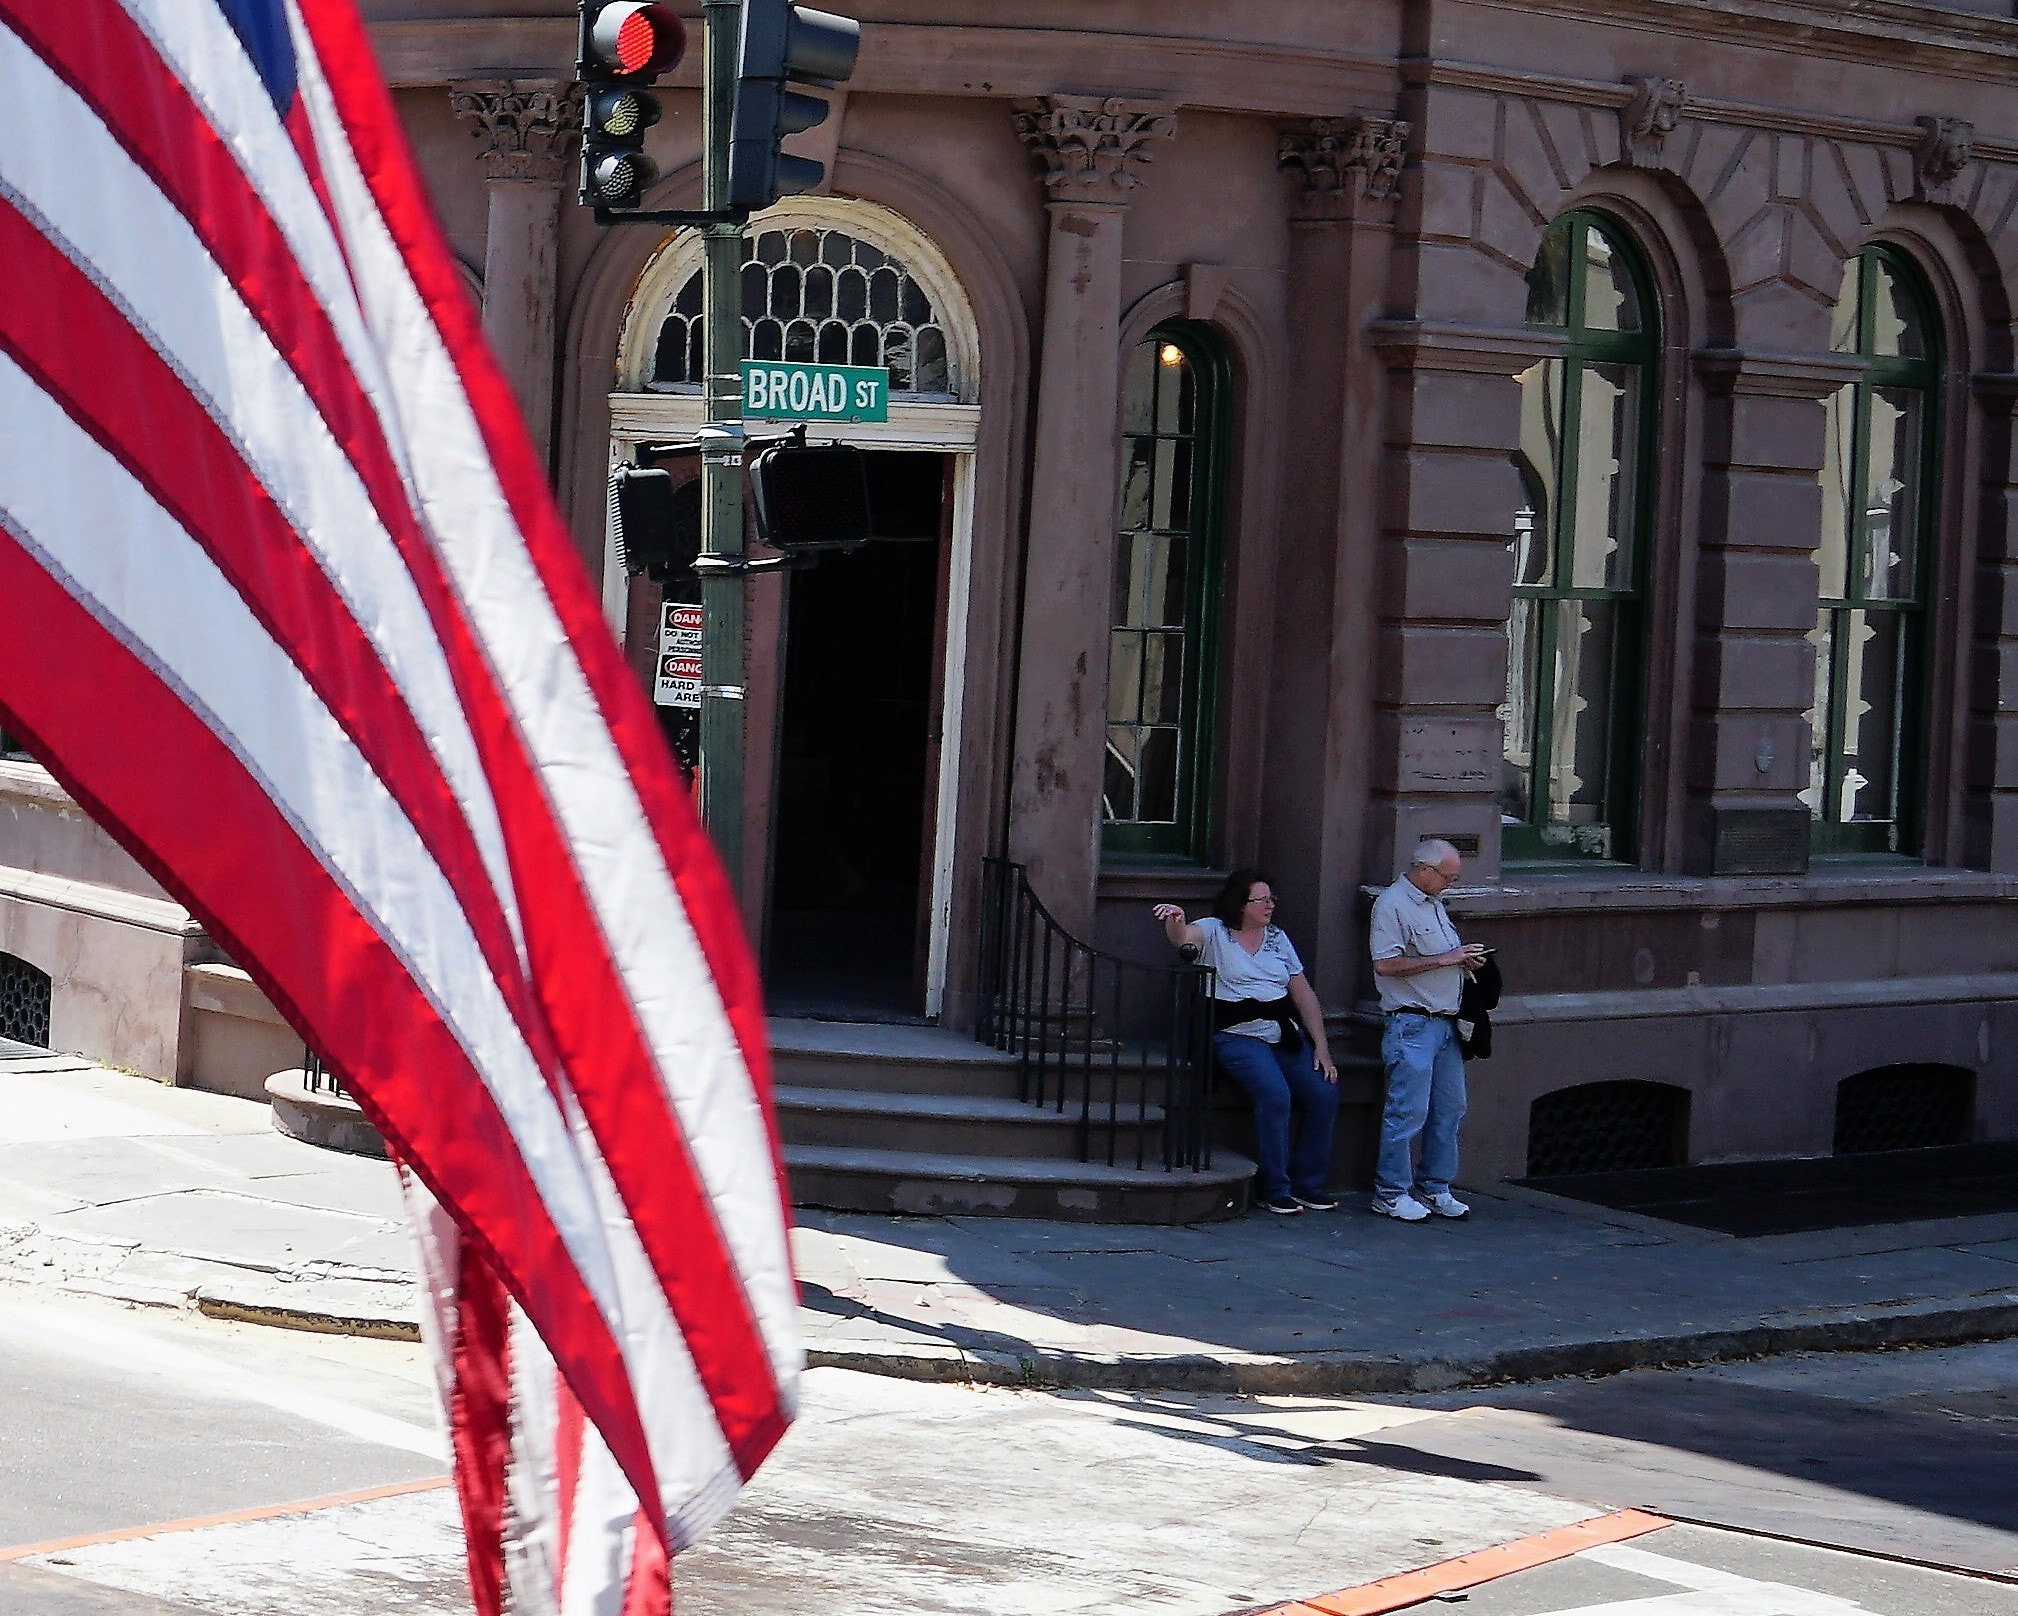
1469, 1570
363, 1495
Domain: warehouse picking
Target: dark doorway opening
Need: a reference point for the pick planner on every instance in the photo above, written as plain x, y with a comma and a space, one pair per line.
858, 758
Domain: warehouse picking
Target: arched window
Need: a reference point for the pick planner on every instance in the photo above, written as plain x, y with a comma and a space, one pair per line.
1160, 672
1877, 505
1569, 784
825, 297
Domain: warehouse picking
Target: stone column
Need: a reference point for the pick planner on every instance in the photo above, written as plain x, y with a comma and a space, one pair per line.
527, 134
1090, 153
1345, 175
1754, 669
1445, 578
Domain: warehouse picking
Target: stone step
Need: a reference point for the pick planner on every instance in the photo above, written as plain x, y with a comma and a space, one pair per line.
929, 1184
955, 1124
887, 1059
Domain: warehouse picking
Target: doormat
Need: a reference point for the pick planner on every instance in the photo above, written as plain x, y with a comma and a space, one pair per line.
1822, 1192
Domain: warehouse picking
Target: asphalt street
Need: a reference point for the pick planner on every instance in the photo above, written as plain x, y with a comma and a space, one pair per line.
904, 1497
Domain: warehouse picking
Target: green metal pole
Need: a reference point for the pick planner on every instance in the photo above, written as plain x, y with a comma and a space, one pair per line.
722, 684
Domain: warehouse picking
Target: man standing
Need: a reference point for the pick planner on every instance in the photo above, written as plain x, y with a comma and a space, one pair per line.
1420, 964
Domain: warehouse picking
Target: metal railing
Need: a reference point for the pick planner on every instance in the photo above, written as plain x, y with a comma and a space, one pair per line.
318, 1078
1124, 1047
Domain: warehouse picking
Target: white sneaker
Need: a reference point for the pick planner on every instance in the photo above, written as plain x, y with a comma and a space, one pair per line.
1405, 1207
1445, 1205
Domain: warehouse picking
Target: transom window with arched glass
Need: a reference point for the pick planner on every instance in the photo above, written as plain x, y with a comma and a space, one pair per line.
1161, 672
1877, 504
1569, 781
819, 295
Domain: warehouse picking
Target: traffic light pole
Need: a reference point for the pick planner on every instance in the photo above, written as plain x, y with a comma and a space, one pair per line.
722, 674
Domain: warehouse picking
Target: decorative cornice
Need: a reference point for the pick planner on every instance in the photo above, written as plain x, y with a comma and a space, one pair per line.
1092, 148
1780, 375
1945, 148
526, 131
1646, 121
1479, 349
1345, 159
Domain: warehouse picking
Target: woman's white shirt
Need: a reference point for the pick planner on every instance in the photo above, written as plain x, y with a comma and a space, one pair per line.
1263, 974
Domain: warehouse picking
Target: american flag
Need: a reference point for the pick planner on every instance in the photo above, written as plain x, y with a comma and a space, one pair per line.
288, 608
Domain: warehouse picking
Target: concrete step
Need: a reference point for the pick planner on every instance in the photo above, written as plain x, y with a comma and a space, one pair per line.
320, 1116
936, 1185
955, 1124
888, 1059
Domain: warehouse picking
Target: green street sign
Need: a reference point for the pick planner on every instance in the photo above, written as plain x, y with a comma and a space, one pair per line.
777, 391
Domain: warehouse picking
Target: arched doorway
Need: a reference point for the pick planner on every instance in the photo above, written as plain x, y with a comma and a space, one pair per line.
856, 663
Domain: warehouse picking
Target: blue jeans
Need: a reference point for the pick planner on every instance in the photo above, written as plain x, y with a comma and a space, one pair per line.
1425, 1095
1280, 1080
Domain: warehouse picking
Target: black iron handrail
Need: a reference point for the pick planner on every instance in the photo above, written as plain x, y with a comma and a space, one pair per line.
1125, 1047
318, 1078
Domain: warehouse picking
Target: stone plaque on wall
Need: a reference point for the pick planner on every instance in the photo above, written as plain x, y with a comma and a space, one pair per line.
1760, 841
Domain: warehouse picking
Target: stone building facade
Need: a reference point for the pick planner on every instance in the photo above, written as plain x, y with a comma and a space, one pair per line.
1579, 429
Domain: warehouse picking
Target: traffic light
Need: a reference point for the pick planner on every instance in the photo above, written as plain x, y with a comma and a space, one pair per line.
625, 45
812, 497
783, 44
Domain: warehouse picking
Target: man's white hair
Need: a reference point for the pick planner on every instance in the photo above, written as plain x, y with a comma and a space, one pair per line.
1432, 851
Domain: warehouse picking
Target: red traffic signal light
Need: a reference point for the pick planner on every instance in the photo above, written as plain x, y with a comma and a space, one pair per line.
636, 39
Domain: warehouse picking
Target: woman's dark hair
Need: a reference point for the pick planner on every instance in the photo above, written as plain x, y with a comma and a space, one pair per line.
1231, 898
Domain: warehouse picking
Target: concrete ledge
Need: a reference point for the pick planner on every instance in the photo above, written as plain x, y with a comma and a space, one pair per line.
1939, 1324
321, 1117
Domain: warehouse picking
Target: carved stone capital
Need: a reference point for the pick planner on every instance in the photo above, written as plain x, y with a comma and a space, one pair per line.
524, 131
1092, 148
1945, 148
1646, 121
1345, 160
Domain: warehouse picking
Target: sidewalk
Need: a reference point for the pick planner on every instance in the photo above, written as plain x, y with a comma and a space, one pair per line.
113, 1185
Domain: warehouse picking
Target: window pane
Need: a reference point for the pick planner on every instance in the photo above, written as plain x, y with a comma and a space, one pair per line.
1156, 784
1149, 581
1136, 471
1823, 638
1117, 786
1608, 434
1843, 319
1124, 677
1871, 718
1549, 280
1162, 678
1139, 391
1892, 503
1895, 315
1170, 506
1833, 554
1581, 718
1173, 389
1611, 301
1517, 712
1537, 461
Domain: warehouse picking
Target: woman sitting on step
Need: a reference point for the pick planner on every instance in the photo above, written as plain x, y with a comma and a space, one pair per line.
1268, 1033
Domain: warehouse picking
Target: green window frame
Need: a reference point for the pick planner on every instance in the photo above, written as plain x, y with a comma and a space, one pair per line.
1163, 648
1571, 720
1879, 494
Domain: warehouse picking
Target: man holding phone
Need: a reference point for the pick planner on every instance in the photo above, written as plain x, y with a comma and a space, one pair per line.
1420, 964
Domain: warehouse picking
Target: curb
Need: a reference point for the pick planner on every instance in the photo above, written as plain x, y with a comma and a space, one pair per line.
1940, 1325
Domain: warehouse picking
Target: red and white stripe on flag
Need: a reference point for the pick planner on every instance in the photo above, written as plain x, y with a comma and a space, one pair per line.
289, 609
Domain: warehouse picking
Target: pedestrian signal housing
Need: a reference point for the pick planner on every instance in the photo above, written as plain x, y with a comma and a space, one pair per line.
783, 45
625, 47
812, 498
656, 525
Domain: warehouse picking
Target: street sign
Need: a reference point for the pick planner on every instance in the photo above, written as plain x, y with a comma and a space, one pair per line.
777, 391
679, 680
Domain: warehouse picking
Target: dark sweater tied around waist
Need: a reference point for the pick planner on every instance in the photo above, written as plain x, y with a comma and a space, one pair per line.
1232, 1012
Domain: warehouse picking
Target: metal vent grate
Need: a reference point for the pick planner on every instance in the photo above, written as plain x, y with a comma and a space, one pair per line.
24, 1002
1616, 1127
1906, 1107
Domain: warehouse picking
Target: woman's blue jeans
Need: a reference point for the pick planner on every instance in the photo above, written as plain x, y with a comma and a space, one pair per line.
1282, 1082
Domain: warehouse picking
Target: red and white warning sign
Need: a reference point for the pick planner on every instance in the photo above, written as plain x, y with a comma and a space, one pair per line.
679, 680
